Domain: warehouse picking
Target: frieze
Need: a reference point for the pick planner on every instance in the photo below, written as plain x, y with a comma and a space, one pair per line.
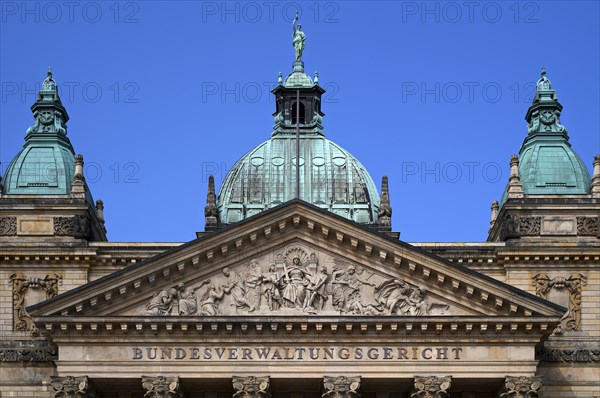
294, 281
529, 226
587, 226
8, 226
63, 226
568, 355
28, 352
573, 284
20, 284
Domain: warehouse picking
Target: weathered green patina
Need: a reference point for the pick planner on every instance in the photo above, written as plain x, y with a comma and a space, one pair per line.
46, 164
547, 163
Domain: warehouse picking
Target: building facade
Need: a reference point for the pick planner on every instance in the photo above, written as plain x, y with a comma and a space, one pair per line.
299, 287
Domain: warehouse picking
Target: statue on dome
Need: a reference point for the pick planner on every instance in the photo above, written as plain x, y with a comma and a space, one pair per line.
299, 38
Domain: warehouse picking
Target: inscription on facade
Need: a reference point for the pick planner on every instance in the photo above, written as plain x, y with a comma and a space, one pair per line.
262, 353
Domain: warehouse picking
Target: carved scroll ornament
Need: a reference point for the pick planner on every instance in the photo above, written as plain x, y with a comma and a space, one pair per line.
571, 321
20, 284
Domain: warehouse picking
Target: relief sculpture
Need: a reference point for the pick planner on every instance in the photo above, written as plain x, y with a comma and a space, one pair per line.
294, 282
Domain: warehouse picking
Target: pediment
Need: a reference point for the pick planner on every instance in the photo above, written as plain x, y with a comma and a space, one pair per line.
296, 260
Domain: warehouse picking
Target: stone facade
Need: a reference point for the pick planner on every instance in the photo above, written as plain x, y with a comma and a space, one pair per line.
302, 301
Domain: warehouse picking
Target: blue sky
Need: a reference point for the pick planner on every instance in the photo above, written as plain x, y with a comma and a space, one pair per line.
433, 94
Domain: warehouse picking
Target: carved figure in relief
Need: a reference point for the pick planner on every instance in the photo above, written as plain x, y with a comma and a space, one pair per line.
295, 282
235, 287
254, 281
398, 297
188, 304
209, 301
317, 295
161, 303
271, 286
345, 284
359, 308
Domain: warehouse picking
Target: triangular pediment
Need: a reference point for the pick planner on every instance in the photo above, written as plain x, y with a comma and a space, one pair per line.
296, 261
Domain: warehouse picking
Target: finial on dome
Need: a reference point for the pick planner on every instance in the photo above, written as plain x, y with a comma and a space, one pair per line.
210, 210
316, 77
543, 84
49, 71
385, 208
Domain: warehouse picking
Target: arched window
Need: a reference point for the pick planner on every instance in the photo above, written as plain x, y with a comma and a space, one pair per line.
302, 113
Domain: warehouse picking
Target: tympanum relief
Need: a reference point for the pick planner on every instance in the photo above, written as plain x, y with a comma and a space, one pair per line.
294, 281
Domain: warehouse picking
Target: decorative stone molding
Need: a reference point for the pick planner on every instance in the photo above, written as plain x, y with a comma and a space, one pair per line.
8, 226
521, 387
21, 319
27, 351
63, 226
251, 387
72, 387
588, 226
432, 387
341, 387
529, 226
161, 387
568, 355
571, 321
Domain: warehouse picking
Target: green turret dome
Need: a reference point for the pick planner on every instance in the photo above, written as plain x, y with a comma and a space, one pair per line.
547, 163
330, 178
46, 164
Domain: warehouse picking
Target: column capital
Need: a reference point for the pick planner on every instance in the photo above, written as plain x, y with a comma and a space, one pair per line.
161, 387
521, 387
341, 387
72, 387
432, 387
251, 387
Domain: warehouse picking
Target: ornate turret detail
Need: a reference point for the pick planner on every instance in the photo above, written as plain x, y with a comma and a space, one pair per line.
48, 112
322, 173
46, 164
210, 210
544, 114
46, 180
385, 209
546, 164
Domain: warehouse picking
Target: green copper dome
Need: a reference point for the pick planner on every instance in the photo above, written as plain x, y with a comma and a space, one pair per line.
547, 163
46, 164
325, 174
330, 178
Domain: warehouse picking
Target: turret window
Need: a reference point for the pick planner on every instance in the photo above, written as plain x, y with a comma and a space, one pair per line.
302, 113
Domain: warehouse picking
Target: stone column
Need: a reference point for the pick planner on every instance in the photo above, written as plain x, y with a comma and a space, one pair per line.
432, 387
521, 387
251, 387
515, 189
161, 387
341, 387
72, 387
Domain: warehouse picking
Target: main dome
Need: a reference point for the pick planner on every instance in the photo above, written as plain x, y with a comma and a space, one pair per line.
330, 178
